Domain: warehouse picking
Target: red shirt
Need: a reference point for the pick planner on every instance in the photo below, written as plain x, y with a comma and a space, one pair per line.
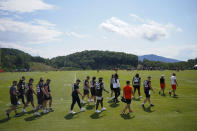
127, 92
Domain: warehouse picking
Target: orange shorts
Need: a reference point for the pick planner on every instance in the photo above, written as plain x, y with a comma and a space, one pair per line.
162, 85
174, 87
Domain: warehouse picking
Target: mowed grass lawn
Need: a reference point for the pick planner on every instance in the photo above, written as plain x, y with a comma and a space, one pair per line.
168, 113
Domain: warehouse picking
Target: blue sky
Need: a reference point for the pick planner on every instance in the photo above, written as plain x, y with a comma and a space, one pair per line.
50, 28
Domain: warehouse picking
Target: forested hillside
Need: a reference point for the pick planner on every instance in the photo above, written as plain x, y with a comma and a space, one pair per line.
16, 60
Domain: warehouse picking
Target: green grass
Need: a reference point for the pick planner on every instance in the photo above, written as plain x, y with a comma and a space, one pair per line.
168, 114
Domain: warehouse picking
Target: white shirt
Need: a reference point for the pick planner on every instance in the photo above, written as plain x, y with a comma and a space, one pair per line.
116, 84
173, 78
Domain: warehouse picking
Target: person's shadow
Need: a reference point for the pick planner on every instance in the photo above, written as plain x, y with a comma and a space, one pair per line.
148, 109
114, 105
90, 107
127, 116
96, 115
4, 120
70, 116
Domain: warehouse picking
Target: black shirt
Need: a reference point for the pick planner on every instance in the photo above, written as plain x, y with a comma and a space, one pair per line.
146, 85
12, 89
21, 86
49, 90
162, 80
29, 91
99, 88
74, 90
93, 84
39, 89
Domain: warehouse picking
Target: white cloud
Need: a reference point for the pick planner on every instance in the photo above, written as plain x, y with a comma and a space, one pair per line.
22, 6
149, 29
33, 32
74, 34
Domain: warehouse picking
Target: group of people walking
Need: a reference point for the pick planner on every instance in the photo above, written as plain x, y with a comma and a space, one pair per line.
97, 88
21, 90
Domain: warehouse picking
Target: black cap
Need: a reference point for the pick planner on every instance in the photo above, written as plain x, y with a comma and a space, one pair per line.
78, 80
100, 78
149, 77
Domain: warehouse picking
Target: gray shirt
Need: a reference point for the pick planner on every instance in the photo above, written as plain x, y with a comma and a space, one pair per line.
12, 89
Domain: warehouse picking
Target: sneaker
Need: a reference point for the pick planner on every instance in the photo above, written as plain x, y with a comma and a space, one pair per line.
50, 109
170, 93
23, 110
18, 102
140, 96
103, 109
82, 109
143, 106
97, 111
37, 114
8, 115
151, 105
45, 111
72, 112
34, 109
82, 102
17, 115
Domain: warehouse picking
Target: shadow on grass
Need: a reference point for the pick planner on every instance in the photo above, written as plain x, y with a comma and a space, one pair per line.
96, 115
114, 105
176, 97
83, 104
90, 107
110, 101
127, 116
34, 117
148, 109
4, 120
164, 95
70, 116
138, 99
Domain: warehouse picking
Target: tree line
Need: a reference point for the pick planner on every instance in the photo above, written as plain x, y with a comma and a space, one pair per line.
13, 59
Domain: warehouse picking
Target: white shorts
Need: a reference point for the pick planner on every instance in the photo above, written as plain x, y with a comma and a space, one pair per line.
99, 97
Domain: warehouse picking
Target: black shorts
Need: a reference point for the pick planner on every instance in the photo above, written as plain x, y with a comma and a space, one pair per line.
85, 92
29, 97
21, 96
93, 91
14, 101
136, 86
147, 94
47, 98
40, 99
111, 87
128, 101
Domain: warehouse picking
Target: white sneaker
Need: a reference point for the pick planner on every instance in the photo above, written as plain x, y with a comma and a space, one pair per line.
103, 109
23, 110
34, 109
37, 114
140, 96
82, 109
72, 112
18, 102
97, 111
91, 100
45, 111
112, 97
82, 102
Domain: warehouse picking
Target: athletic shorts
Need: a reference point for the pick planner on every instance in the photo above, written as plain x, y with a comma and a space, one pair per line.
128, 101
85, 92
93, 91
147, 93
174, 87
136, 86
47, 98
14, 101
99, 98
29, 98
40, 99
162, 85
111, 87
21, 96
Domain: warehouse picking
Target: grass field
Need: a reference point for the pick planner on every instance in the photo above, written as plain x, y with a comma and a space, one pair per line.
168, 114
